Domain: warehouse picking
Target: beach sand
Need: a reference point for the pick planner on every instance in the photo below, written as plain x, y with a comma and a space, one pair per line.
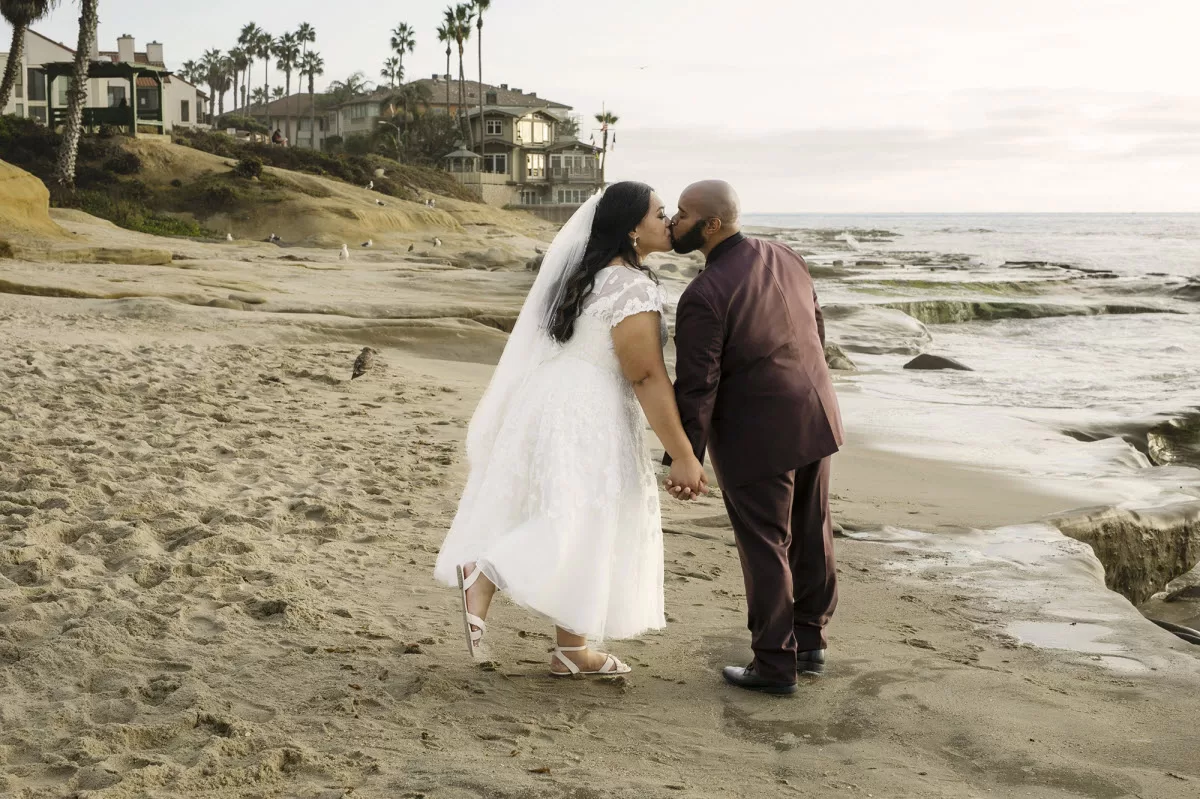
217, 556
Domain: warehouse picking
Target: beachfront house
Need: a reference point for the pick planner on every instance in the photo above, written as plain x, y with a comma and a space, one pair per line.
299, 109
529, 155
118, 80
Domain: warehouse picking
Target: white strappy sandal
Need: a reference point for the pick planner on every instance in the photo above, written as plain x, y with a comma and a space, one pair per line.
612, 666
474, 637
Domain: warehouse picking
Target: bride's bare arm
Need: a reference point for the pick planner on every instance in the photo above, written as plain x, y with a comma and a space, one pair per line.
638, 344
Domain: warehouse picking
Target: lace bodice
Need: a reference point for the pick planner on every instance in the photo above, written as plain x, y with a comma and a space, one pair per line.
620, 292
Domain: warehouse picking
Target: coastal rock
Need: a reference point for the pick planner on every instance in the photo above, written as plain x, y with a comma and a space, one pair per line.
927, 361
25, 203
835, 358
1142, 550
874, 329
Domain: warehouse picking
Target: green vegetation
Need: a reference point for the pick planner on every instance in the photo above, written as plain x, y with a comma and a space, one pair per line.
104, 179
405, 181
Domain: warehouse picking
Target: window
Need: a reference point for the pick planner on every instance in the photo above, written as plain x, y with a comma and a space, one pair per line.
60, 97
20, 109
115, 95
496, 164
535, 165
19, 87
533, 131
185, 109
38, 112
495, 127
529, 198
572, 196
361, 111
147, 99
37, 86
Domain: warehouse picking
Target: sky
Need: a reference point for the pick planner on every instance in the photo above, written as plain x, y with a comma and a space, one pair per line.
848, 106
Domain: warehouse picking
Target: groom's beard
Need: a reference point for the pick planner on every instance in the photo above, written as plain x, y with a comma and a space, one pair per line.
690, 241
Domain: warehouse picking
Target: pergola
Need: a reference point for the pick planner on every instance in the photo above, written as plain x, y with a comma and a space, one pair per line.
129, 117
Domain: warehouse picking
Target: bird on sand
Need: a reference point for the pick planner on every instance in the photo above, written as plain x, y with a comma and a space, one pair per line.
370, 185
273, 238
345, 256
364, 361
437, 242
380, 202
412, 247
368, 243
228, 237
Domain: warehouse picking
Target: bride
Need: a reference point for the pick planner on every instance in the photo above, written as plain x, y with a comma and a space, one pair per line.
561, 506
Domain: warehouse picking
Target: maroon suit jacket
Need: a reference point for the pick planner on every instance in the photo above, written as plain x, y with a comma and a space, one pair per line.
751, 381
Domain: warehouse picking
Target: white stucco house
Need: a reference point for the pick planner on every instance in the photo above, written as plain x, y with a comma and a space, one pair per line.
38, 96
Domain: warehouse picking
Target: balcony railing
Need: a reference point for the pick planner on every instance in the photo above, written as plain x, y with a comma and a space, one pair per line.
574, 173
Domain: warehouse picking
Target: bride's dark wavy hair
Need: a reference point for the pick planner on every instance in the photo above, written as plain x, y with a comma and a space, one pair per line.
619, 212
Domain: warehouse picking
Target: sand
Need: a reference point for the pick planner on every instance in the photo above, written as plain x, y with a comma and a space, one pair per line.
216, 556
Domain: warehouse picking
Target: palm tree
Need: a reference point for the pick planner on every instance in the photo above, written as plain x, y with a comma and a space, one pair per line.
287, 58
392, 71
464, 15
342, 91
607, 119
260, 95
190, 71
404, 40
312, 65
413, 99
248, 42
238, 61
89, 17
265, 46
217, 71
480, 7
305, 34
445, 34
20, 14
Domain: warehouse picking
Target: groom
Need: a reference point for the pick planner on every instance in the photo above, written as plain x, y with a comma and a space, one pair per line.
753, 389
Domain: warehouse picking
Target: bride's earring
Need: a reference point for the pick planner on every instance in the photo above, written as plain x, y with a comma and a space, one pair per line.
635, 245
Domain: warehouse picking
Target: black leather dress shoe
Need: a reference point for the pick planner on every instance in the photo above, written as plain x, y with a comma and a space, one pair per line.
746, 678
811, 662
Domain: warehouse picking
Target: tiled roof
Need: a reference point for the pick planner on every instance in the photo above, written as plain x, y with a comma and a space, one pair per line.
504, 97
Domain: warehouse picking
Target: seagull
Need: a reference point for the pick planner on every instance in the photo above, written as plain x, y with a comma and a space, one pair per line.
369, 243
379, 202
370, 185
228, 237
412, 247
345, 256
364, 361
273, 238
437, 242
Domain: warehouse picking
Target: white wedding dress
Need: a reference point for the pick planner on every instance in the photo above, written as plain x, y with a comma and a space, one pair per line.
561, 510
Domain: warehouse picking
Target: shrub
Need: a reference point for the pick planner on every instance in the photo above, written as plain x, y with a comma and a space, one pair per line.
177, 183
242, 123
249, 167
123, 163
217, 197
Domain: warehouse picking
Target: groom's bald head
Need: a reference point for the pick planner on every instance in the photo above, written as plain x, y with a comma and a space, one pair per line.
715, 199
709, 212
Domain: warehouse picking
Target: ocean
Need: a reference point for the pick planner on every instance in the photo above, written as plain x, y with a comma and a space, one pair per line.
1082, 332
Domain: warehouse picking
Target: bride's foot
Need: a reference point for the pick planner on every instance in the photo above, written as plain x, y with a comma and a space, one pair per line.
477, 592
582, 660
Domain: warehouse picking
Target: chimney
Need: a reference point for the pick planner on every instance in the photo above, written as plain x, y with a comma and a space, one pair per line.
518, 91
504, 86
436, 77
154, 53
125, 49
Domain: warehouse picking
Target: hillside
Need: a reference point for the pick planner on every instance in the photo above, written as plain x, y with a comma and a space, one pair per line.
172, 189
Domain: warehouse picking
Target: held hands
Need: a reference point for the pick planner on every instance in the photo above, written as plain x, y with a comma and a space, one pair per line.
687, 479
